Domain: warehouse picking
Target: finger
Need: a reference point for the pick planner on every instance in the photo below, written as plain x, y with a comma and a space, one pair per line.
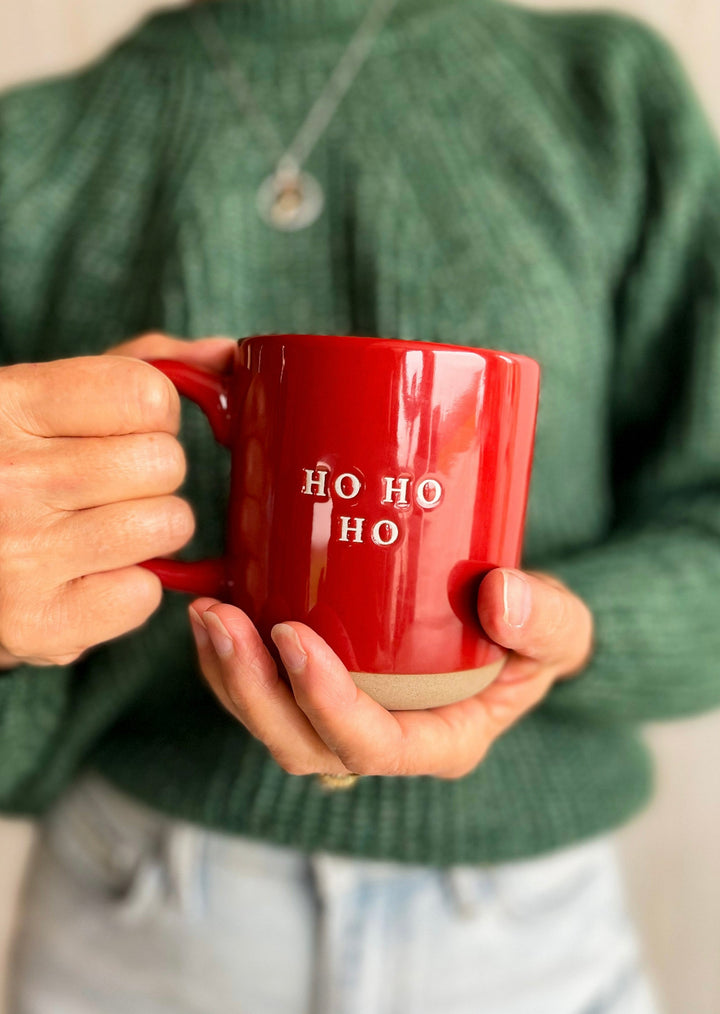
213, 353
446, 742
369, 739
73, 473
88, 396
110, 604
535, 618
505, 702
85, 613
210, 663
472, 726
240, 670
116, 535
353, 726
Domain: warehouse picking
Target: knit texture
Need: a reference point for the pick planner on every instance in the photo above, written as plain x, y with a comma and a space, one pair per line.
541, 183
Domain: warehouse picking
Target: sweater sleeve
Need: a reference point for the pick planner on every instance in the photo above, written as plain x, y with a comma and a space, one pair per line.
654, 585
33, 705
58, 138
34, 701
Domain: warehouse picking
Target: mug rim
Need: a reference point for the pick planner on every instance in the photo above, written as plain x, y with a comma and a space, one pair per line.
396, 344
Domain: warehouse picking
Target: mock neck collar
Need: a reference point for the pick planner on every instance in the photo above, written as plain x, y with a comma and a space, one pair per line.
310, 20
290, 16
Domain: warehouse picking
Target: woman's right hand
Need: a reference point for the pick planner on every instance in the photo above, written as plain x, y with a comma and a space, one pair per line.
89, 462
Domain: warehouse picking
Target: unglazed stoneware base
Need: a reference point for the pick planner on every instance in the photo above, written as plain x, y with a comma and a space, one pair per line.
415, 691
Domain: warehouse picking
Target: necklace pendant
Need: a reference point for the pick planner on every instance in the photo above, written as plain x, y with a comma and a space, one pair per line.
290, 200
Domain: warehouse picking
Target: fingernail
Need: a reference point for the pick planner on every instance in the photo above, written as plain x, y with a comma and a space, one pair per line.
288, 644
221, 640
516, 599
198, 628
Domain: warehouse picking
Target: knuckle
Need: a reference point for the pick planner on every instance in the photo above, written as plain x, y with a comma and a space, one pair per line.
166, 456
360, 764
15, 621
66, 659
353, 762
563, 611
133, 594
12, 549
179, 520
22, 640
491, 606
144, 592
135, 597
176, 460
557, 618
257, 666
14, 644
32, 630
13, 377
169, 523
14, 413
153, 399
14, 473
585, 642
234, 687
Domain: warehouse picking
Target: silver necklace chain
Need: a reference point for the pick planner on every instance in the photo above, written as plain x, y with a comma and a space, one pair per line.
290, 198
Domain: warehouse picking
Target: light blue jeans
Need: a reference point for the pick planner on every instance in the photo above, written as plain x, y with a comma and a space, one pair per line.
128, 912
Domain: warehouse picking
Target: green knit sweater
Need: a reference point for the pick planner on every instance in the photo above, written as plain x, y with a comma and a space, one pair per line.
541, 183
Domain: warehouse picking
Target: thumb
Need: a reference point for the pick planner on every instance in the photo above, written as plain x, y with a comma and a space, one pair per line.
537, 617
214, 353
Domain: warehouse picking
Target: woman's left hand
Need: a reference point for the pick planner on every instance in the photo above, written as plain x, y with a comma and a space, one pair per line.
322, 723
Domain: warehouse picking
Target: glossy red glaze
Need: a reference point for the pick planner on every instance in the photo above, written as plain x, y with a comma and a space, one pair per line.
374, 482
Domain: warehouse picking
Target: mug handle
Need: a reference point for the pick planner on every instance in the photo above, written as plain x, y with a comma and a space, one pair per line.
211, 392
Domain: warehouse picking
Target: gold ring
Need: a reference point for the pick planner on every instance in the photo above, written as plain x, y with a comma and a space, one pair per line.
335, 782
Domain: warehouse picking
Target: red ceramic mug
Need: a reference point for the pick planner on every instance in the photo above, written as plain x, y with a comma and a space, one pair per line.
374, 482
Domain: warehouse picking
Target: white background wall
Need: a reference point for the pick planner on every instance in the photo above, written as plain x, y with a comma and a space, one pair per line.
672, 853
